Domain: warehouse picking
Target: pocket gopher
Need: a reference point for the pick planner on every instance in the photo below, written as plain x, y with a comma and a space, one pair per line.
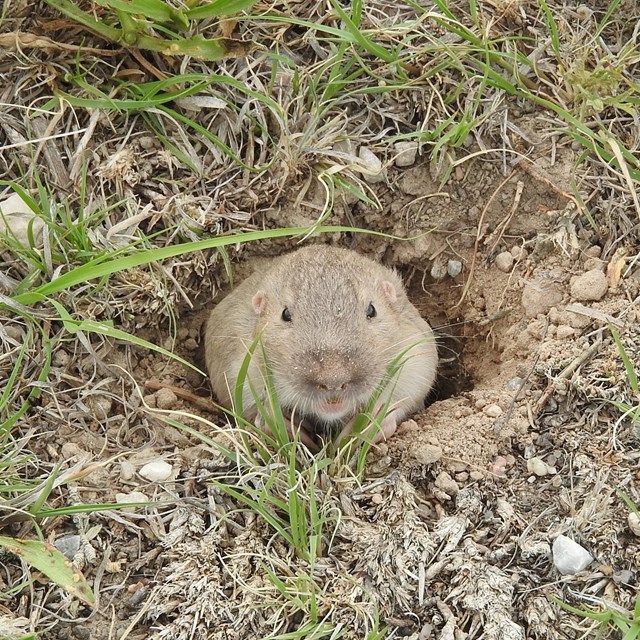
332, 323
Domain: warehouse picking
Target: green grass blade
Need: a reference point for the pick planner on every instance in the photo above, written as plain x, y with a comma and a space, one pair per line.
73, 12
360, 38
604, 21
218, 8
7, 425
256, 507
44, 492
10, 381
106, 265
104, 329
552, 27
47, 559
154, 10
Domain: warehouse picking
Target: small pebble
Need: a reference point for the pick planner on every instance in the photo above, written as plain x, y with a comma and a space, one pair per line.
624, 577
584, 12
569, 557
149, 400
439, 269
593, 263
537, 329
127, 471
61, 358
518, 252
591, 285
537, 466
157, 471
407, 152
68, 545
166, 399
564, 331
594, 251
190, 344
493, 411
499, 466
100, 406
515, 383
17, 333
147, 142
446, 484
427, 454
410, 426
71, 450
372, 165
634, 523
504, 261
134, 496
454, 268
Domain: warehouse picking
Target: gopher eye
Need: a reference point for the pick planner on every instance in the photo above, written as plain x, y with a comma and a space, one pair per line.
286, 314
371, 311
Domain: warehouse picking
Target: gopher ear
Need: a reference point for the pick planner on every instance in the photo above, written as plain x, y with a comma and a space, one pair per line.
259, 302
389, 291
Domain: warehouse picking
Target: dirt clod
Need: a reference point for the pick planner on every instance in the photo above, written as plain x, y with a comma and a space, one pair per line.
504, 261
591, 285
165, 399
538, 296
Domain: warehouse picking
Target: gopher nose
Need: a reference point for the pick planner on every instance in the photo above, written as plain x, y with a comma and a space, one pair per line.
332, 384
331, 372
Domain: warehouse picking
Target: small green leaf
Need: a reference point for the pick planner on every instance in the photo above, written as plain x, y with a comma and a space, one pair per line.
153, 9
47, 559
218, 8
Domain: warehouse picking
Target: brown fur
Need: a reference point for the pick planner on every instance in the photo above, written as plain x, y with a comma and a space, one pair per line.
327, 361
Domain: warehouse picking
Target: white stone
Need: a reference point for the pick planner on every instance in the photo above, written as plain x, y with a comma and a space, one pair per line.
127, 471
493, 411
454, 268
537, 466
156, 471
634, 523
134, 496
406, 153
371, 165
569, 557
15, 218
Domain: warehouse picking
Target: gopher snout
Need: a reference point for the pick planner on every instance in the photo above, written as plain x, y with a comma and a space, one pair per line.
332, 372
